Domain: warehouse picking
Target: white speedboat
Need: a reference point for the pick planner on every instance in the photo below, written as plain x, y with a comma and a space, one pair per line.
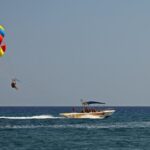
89, 112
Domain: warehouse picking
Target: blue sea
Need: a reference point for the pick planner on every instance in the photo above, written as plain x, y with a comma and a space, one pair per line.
41, 128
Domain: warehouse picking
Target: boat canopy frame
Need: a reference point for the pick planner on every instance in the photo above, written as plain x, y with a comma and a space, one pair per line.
86, 103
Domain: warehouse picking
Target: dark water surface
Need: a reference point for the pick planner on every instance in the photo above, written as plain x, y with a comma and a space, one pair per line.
41, 128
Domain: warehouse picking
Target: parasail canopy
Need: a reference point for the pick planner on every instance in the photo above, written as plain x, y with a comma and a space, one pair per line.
2, 44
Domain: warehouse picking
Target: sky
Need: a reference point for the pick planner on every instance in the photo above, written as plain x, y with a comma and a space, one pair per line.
66, 50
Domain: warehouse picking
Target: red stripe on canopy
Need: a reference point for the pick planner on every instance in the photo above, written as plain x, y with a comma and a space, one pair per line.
3, 47
1, 38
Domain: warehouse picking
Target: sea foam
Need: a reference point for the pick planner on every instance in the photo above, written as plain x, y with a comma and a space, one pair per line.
30, 117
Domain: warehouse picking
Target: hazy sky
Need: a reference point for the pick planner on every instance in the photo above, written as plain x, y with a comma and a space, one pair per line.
65, 50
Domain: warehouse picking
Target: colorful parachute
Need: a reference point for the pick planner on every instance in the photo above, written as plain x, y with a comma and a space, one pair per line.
2, 44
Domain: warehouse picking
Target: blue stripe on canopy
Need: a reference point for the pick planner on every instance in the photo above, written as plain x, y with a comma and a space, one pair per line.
2, 32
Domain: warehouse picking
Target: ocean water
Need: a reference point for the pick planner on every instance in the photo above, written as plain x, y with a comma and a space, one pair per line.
41, 128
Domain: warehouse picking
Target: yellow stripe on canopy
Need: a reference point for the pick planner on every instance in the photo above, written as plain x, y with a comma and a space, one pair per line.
1, 52
2, 28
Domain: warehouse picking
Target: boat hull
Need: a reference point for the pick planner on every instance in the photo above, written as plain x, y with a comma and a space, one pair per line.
92, 115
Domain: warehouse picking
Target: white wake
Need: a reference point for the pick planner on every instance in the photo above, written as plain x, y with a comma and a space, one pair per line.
30, 117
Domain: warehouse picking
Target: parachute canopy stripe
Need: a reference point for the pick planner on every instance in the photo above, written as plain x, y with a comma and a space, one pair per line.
2, 30
1, 52
1, 27
3, 47
1, 38
2, 33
